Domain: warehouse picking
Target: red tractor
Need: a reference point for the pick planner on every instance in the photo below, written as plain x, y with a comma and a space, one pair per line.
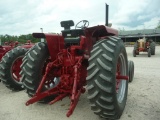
7, 47
66, 63
10, 61
144, 45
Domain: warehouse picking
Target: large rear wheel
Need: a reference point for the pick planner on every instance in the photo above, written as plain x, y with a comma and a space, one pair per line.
106, 93
134, 53
149, 52
136, 48
33, 69
10, 68
152, 47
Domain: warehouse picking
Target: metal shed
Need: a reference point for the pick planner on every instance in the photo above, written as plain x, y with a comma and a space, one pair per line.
133, 35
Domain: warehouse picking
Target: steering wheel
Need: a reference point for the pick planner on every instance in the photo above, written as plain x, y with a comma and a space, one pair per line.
84, 24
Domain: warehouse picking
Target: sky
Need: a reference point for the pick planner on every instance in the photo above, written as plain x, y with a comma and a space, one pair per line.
19, 17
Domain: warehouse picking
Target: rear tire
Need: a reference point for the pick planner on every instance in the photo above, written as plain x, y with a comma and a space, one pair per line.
152, 47
136, 48
134, 53
104, 98
149, 52
33, 68
10, 68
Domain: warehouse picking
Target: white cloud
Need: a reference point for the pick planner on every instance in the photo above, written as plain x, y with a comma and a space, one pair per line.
23, 17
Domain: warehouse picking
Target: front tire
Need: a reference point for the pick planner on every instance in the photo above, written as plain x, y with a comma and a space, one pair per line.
130, 70
10, 68
107, 95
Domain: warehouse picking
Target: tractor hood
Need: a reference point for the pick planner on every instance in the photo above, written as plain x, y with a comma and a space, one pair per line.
39, 35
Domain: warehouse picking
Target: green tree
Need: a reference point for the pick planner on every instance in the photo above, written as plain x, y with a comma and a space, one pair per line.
22, 38
158, 26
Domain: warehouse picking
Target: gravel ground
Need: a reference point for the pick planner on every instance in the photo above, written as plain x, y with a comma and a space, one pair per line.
142, 103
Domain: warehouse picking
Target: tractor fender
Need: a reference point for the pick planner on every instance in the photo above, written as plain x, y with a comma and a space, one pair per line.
4, 49
27, 46
55, 42
101, 31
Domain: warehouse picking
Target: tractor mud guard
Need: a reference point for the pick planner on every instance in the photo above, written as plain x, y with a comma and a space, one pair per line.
27, 46
101, 31
55, 42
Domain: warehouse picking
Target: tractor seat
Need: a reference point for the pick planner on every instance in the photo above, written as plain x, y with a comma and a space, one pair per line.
67, 32
67, 24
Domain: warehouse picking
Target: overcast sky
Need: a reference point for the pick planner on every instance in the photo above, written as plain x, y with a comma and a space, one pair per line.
19, 17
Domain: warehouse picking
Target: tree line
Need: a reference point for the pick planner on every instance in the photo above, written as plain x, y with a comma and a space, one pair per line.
21, 38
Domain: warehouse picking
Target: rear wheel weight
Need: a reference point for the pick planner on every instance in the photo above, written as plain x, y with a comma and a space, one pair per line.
105, 100
10, 68
33, 68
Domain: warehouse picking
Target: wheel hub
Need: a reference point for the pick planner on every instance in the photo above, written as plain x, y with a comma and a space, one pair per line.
15, 70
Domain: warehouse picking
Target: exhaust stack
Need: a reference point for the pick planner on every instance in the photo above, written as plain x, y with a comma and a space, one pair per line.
106, 20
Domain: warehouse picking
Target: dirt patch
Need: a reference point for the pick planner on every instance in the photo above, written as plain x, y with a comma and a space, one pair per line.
142, 104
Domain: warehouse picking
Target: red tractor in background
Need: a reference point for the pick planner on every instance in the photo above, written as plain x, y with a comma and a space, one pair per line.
7, 47
10, 60
67, 64
144, 45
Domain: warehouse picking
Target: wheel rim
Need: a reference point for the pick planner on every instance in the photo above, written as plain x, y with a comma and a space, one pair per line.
52, 83
15, 69
121, 83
